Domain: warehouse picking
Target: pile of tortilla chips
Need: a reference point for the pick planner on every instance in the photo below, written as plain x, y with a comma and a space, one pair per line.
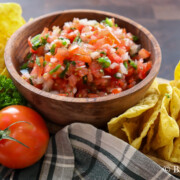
153, 125
10, 21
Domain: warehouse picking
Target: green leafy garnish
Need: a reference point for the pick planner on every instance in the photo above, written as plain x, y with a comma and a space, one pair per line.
167, 95
44, 40
104, 61
132, 63
55, 69
9, 95
77, 39
29, 55
72, 28
73, 63
36, 42
44, 63
125, 64
38, 62
65, 70
30, 79
52, 50
102, 52
135, 38
64, 43
24, 66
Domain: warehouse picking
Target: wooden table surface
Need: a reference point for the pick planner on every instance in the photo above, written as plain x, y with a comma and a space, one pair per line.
161, 17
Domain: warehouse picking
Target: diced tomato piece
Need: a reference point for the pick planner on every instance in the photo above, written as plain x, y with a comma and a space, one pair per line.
113, 37
72, 80
59, 84
45, 32
116, 91
33, 51
37, 70
144, 54
72, 35
62, 94
143, 68
39, 86
115, 58
40, 51
82, 93
73, 49
90, 76
48, 56
29, 42
62, 53
83, 58
95, 69
82, 72
121, 50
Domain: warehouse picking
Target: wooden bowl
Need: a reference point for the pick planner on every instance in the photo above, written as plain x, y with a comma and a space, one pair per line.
66, 110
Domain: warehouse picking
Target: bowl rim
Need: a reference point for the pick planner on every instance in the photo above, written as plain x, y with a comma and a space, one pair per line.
152, 74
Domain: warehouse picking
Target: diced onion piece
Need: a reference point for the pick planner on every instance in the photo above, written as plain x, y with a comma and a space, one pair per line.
53, 60
38, 80
25, 74
134, 49
74, 90
118, 75
125, 56
106, 77
114, 65
123, 69
54, 92
47, 85
95, 55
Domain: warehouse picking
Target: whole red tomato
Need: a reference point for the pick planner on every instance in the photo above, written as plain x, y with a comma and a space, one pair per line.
32, 132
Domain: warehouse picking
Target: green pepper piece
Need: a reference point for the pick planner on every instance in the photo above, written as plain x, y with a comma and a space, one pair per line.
36, 43
55, 69
52, 50
125, 64
104, 61
135, 38
132, 63
77, 39
24, 66
65, 70
109, 22
38, 62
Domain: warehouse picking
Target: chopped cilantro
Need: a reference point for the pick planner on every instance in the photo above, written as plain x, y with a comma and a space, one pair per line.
132, 63
52, 50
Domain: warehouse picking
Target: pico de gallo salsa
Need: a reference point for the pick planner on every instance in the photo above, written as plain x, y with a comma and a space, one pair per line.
85, 58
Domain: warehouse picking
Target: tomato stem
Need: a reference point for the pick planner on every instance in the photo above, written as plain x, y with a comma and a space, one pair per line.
4, 134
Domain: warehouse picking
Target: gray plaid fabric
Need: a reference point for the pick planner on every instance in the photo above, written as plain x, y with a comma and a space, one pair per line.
80, 151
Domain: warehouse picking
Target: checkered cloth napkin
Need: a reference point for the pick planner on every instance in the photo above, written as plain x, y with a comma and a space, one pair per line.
80, 151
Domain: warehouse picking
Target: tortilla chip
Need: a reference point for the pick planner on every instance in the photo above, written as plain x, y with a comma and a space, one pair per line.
151, 133
115, 125
168, 128
166, 151
175, 83
149, 119
131, 129
175, 103
10, 21
177, 72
